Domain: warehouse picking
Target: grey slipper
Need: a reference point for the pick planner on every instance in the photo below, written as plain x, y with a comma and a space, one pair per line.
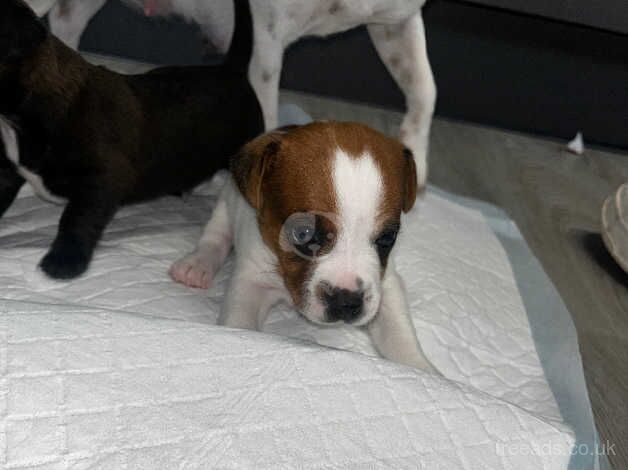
615, 225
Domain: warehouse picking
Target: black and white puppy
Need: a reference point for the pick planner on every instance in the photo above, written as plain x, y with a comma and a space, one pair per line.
395, 26
95, 140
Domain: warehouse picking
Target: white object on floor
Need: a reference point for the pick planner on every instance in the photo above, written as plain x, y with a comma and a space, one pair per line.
576, 145
123, 364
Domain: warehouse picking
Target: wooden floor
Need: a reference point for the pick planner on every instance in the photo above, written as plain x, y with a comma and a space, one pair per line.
555, 197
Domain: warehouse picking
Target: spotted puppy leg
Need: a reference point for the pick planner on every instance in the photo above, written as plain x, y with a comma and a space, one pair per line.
403, 49
69, 18
392, 330
265, 72
199, 268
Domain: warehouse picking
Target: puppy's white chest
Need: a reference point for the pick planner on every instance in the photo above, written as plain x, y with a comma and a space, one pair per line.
37, 183
9, 138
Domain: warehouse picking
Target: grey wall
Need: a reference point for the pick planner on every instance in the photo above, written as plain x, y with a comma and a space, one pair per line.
492, 66
610, 15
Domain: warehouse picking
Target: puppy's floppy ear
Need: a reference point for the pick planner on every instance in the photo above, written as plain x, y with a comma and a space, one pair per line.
21, 32
252, 162
410, 181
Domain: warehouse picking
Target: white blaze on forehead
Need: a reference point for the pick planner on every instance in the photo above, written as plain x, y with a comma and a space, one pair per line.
358, 188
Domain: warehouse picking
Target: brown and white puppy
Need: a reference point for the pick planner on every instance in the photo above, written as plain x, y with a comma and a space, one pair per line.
313, 213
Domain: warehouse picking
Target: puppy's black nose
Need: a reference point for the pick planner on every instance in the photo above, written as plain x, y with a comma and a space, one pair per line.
343, 304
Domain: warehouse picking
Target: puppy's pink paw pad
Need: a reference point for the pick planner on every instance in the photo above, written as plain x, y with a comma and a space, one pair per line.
193, 271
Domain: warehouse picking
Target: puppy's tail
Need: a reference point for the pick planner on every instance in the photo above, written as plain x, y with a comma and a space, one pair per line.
241, 49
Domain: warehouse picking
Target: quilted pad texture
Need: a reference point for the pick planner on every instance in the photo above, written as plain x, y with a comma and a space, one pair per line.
124, 369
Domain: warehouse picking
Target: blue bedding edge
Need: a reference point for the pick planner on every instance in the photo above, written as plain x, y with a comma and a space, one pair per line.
553, 331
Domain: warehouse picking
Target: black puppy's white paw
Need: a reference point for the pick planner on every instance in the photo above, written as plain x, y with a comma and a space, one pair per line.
65, 261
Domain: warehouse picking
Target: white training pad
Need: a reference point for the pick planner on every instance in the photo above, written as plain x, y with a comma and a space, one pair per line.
117, 368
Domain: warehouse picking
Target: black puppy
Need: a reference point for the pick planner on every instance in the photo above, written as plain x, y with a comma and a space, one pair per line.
98, 139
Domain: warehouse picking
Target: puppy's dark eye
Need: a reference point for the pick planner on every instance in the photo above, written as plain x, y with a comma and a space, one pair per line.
384, 244
302, 234
300, 228
308, 234
386, 239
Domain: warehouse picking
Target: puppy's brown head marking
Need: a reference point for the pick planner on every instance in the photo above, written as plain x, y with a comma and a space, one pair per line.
410, 181
250, 165
346, 186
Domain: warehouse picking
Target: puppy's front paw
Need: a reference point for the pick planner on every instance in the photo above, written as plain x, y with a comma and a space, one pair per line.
194, 270
65, 261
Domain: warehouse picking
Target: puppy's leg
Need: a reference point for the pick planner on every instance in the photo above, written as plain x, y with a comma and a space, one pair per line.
199, 268
264, 75
403, 49
82, 224
10, 184
246, 303
392, 330
69, 18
